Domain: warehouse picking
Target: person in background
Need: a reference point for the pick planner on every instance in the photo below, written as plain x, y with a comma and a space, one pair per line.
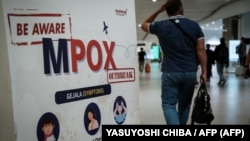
141, 58
210, 61
222, 60
181, 58
246, 65
241, 50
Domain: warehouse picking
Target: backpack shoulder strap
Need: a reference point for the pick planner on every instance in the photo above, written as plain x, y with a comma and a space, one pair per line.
184, 32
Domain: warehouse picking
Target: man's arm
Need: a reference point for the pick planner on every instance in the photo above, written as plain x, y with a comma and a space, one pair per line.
202, 58
151, 18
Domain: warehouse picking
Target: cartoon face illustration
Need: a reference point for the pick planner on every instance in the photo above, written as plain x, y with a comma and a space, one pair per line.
48, 128
92, 118
93, 123
120, 110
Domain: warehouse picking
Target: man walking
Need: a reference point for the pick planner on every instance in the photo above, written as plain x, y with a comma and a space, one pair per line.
222, 60
182, 53
141, 58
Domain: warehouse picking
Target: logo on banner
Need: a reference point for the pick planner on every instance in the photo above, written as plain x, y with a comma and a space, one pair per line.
120, 12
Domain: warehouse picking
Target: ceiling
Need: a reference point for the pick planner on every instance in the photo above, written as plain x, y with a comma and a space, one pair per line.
198, 10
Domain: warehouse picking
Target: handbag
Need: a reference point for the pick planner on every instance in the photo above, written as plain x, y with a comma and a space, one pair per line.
202, 111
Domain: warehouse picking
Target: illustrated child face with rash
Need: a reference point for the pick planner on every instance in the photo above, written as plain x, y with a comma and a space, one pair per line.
47, 127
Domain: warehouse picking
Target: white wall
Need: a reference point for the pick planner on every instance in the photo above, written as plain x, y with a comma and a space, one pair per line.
245, 25
6, 118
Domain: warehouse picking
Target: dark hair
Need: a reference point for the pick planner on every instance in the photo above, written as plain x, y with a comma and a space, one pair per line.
222, 40
208, 45
47, 120
90, 110
172, 6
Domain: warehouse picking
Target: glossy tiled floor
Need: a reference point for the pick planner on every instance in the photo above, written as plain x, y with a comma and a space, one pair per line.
230, 103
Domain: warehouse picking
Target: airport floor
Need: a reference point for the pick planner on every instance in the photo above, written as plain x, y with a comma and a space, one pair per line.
230, 103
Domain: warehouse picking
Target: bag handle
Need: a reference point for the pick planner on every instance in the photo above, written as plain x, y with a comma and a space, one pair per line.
203, 89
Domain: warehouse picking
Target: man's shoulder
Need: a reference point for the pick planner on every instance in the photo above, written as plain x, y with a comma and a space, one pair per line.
190, 21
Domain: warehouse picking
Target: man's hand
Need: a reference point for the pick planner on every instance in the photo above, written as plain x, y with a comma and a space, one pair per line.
145, 24
162, 8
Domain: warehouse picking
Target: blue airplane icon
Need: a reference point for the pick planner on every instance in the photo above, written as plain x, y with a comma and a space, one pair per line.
105, 27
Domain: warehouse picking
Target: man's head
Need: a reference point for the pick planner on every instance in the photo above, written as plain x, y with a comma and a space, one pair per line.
222, 40
242, 39
208, 46
174, 7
